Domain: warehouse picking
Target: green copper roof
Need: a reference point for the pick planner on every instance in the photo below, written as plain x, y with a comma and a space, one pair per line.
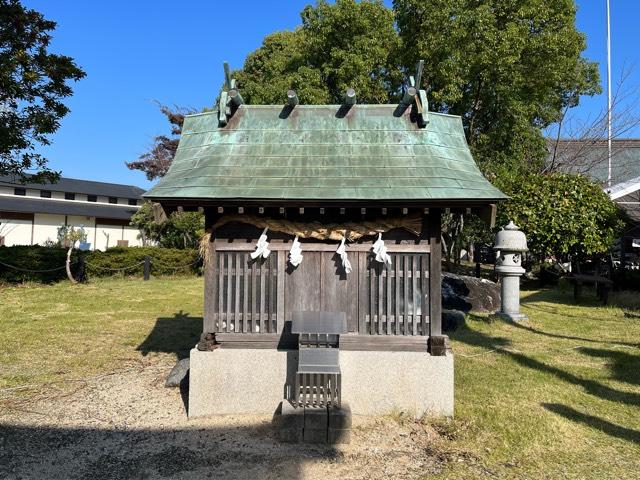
373, 152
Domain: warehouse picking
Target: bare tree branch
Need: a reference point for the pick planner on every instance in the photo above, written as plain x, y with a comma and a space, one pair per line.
581, 145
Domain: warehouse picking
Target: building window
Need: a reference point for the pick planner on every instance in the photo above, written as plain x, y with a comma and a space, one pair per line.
45, 193
113, 199
133, 201
20, 191
92, 198
69, 196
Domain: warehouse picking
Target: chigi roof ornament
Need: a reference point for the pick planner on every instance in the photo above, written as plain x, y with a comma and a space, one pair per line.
230, 98
412, 96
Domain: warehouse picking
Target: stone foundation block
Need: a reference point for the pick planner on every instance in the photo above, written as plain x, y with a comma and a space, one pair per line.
315, 425
340, 417
290, 423
339, 430
255, 381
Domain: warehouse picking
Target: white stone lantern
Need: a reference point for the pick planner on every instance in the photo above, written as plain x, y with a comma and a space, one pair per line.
510, 244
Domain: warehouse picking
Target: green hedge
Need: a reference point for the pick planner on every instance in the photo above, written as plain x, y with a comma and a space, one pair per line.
33, 258
43, 264
164, 261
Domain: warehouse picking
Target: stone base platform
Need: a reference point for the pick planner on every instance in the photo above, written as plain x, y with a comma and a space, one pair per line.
513, 317
313, 424
255, 381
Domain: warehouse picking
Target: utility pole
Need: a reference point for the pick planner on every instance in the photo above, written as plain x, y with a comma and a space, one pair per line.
608, 95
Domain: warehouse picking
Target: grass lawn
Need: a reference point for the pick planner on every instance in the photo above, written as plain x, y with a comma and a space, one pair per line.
557, 397
64, 331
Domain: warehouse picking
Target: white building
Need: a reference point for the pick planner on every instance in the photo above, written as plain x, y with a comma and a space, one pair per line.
31, 213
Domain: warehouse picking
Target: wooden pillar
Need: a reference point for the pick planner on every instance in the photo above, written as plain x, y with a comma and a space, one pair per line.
210, 289
146, 270
435, 273
210, 286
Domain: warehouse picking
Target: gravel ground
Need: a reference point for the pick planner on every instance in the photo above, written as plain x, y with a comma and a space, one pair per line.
127, 425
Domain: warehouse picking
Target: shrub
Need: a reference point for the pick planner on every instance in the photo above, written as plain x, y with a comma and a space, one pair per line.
164, 261
562, 214
46, 264
33, 262
180, 230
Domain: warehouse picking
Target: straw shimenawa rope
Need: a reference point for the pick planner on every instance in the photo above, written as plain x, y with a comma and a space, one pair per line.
335, 231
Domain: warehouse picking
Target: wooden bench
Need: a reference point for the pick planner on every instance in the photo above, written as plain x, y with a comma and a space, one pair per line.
602, 284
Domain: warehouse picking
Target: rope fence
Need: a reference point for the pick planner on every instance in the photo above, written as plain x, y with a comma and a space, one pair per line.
188, 265
107, 269
27, 270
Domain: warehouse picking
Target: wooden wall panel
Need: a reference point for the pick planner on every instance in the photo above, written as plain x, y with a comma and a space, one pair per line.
302, 285
257, 298
394, 297
339, 291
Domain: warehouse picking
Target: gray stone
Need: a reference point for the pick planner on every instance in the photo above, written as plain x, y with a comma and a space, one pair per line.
315, 418
290, 423
451, 320
510, 309
178, 374
291, 416
315, 424
439, 345
340, 417
231, 381
513, 317
339, 424
315, 436
469, 294
290, 435
509, 245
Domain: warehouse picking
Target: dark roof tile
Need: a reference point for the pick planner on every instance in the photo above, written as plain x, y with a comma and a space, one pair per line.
73, 185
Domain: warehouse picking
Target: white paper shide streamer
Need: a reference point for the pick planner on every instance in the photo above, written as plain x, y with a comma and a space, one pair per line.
262, 247
295, 254
342, 251
380, 249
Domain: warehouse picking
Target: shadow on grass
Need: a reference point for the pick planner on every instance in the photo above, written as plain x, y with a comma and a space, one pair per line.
499, 344
571, 337
594, 422
553, 310
560, 296
622, 365
246, 451
177, 335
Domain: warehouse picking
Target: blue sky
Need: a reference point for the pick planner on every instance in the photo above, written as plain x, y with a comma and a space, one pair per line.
136, 52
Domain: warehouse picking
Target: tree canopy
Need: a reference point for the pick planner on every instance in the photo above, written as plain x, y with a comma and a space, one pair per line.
341, 45
180, 230
508, 67
33, 83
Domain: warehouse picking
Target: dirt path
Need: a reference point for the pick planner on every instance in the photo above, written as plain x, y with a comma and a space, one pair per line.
127, 425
